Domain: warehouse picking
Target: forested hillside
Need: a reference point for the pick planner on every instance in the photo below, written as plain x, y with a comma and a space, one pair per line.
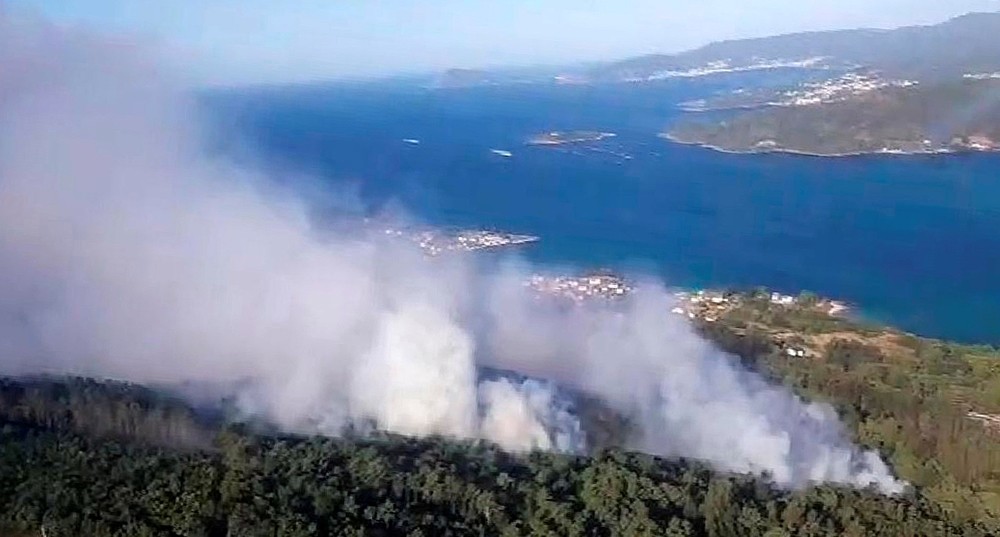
137, 475
965, 44
925, 118
931, 407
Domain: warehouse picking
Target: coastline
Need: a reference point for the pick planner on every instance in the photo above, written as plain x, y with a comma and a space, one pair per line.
777, 151
691, 107
723, 298
785, 151
711, 306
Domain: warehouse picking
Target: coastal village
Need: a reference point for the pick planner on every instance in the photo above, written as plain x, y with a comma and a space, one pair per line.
724, 66
706, 306
602, 284
702, 308
838, 89
709, 307
579, 289
809, 105
832, 90
435, 242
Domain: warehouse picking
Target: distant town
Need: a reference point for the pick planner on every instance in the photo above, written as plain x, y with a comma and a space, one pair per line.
838, 89
827, 91
436, 242
726, 66
589, 286
604, 285
709, 305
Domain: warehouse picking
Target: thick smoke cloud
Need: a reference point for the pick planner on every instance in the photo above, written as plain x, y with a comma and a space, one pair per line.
127, 252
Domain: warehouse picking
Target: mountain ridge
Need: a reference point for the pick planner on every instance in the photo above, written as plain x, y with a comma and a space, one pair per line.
925, 51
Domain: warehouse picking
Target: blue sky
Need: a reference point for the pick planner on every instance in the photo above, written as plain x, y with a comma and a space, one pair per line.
234, 41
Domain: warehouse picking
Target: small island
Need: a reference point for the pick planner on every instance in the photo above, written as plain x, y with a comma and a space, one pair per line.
434, 242
569, 137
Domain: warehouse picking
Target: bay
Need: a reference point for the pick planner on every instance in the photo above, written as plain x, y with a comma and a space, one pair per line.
913, 241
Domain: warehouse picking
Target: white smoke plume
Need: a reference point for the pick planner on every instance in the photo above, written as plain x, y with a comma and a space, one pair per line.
528, 417
127, 252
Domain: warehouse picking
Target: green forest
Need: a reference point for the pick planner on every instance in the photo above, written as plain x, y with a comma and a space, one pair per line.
914, 399
83, 457
895, 119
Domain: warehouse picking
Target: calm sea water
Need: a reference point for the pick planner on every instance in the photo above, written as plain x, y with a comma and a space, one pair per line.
914, 241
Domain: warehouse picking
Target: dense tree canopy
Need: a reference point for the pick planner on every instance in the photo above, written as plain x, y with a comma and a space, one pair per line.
90, 458
914, 399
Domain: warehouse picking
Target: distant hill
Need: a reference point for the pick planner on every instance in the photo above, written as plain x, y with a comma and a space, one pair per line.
917, 89
964, 44
920, 89
961, 115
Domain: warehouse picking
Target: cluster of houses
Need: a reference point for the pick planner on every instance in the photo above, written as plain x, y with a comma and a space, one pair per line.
435, 242
698, 303
724, 66
982, 76
838, 89
783, 300
795, 353
977, 143
706, 305
709, 306
580, 288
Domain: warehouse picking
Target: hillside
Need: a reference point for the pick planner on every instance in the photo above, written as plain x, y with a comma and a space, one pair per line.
963, 115
966, 44
921, 89
146, 464
59, 480
931, 406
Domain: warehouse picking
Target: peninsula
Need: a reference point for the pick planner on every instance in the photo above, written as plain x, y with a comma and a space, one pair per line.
914, 90
859, 115
965, 44
923, 400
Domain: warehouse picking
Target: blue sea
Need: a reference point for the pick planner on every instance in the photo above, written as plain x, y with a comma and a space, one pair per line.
911, 241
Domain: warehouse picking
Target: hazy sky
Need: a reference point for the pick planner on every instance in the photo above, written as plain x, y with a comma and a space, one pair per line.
268, 40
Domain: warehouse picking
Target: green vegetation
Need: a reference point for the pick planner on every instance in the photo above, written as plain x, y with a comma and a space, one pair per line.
907, 396
69, 471
945, 111
86, 457
951, 116
965, 44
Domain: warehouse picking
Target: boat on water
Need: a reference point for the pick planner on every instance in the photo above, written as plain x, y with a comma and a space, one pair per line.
502, 152
411, 141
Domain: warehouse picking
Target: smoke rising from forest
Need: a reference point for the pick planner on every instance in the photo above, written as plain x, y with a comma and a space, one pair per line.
129, 252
